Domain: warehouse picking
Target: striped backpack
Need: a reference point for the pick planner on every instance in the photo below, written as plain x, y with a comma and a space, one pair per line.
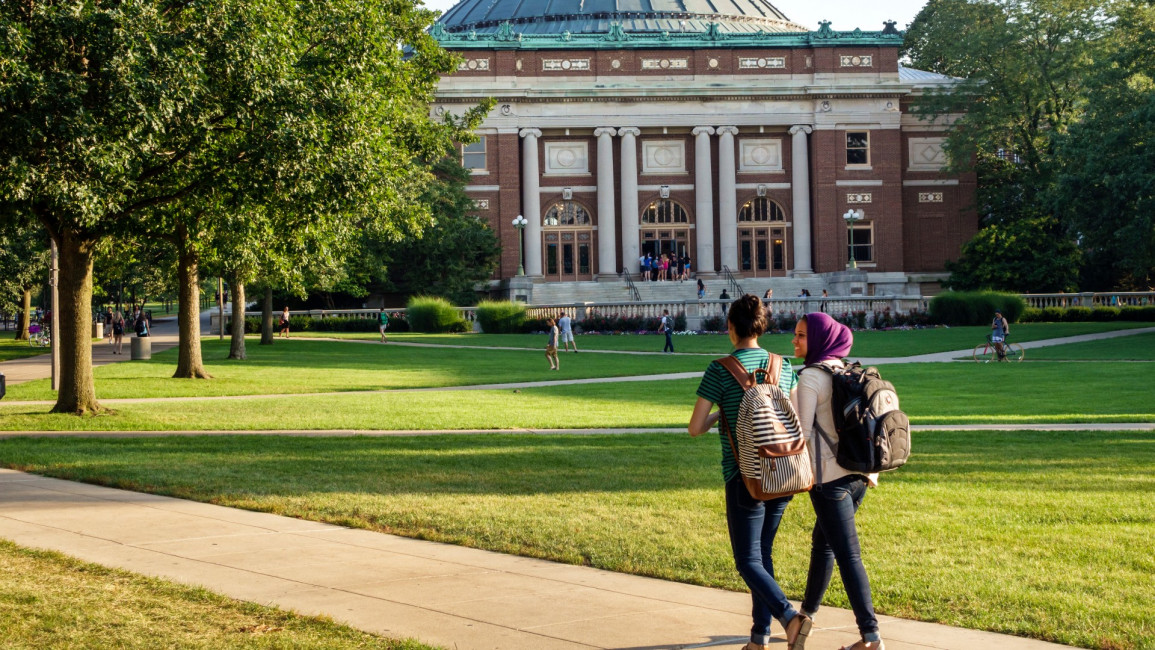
767, 441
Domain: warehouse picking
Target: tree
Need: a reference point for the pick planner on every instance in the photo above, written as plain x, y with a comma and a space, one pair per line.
24, 261
1032, 255
1106, 165
157, 117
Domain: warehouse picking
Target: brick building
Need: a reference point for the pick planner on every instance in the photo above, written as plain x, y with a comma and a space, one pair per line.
727, 134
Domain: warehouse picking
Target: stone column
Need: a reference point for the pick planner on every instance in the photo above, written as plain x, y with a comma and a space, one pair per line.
800, 185
727, 197
607, 223
531, 200
630, 208
703, 200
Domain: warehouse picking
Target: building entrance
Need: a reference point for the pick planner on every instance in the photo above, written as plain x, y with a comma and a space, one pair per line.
567, 233
762, 239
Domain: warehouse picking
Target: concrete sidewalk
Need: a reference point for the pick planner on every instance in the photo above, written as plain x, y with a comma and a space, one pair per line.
448, 595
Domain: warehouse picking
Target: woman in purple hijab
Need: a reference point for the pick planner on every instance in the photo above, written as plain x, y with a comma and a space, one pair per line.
823, 342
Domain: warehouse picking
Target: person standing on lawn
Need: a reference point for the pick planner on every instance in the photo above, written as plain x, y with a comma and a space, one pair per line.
666, 326
752, 523
566, 326
551, 345
382, 323
837, 493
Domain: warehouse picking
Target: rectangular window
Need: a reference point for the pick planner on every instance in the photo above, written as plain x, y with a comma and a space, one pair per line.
551, 259
857, 147
861, 242
473, 155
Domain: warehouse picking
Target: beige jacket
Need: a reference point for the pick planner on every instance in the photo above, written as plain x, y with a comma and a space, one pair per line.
812, 402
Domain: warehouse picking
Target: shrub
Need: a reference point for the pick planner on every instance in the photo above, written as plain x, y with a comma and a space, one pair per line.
1104, 314
1077, 314
1133, 312
975, 307
1052, 314
533, 325
784, 321
1031, 315
434, 315
501, 317
714, 324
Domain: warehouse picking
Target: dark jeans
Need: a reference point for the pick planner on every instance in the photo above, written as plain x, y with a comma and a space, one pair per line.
752, 525
835, 539
669, 342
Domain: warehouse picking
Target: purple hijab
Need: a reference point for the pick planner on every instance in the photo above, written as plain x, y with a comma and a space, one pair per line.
826, 338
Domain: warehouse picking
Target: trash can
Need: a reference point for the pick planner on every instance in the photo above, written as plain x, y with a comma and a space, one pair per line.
141, 348
98, 330
3, 386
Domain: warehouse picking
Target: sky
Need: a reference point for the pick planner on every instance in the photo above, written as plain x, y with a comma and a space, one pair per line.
842, 14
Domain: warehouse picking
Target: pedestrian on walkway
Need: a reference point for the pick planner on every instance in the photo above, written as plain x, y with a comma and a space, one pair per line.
118, 332
551, 345
108, 325
701, 289
666, 326
382, 323
285, 322
837, 493
566, 326
752, 523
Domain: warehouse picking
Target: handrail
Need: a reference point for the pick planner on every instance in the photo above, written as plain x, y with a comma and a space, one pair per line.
630, 284
734, 286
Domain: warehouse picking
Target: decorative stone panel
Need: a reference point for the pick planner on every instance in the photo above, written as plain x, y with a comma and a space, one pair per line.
474, 64
566, 158
859, 197
760, 155
927, 154
930, 197
559, 65
857, 61
748, 63
481, 204
665, 64
663, 157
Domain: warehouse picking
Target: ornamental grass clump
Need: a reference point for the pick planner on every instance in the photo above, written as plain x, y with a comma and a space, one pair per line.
433, 315
501, 317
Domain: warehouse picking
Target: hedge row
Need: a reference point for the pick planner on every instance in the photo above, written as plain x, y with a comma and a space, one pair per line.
1080, 314
434, 315
501, 317
975, 307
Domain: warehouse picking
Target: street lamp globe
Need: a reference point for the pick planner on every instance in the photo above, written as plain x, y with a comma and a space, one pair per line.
520, 223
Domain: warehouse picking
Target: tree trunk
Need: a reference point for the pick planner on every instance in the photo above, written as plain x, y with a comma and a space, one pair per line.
25, 317
189, 364
74, 340
267, 317
237, 346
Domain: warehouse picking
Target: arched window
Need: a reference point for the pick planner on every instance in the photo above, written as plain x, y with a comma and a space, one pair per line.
664, 211
566, 213
761, 209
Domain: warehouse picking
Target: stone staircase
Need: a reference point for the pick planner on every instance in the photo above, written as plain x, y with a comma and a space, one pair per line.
561, 293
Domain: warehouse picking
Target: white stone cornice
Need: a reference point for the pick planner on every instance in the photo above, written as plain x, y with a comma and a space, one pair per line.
605, 130
525, 133
801, 128
699, 130
727, 130
630, 130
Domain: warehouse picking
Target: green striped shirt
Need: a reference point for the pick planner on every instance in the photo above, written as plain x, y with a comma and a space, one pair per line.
719, 387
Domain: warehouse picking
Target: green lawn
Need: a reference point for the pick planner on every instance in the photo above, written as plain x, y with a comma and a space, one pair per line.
11, 349
325, 366
893, 343
48, 600
1140, 347
1044, 535
941, 393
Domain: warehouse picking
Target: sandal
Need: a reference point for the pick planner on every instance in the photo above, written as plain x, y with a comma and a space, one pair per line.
796, 634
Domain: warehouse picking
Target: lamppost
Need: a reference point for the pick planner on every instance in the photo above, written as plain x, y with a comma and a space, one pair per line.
851, 217
520, 223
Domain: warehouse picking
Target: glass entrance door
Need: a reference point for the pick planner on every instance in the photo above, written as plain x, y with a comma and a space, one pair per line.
568, 255
670, 242
762, 251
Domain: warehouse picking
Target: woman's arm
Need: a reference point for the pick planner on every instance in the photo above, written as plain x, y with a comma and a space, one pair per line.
703, 420
805, 400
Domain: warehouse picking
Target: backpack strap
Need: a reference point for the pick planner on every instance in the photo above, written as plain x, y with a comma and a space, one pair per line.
747, 379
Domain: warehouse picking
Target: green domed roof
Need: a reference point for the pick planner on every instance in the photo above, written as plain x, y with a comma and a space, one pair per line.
555, 17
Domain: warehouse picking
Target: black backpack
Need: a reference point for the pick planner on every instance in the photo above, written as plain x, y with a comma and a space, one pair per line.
873, 435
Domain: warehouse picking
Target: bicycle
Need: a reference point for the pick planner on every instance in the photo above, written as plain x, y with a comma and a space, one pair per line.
39, 336
988, 352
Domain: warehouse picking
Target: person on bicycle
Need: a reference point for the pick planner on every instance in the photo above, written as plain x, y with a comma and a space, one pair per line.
1000, 329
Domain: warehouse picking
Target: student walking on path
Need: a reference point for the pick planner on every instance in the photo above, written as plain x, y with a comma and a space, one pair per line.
837, 493
118, 332
667, 328
551, 346
285, 322
382, 323
752, 523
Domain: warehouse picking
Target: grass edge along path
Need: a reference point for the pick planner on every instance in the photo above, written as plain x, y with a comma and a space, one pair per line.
1044, 535
51, 600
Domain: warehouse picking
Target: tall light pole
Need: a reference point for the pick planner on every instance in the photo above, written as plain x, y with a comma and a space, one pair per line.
520, 223
852, 216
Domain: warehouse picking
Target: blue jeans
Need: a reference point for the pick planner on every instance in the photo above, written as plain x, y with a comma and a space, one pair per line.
835, 539
752, 525
669, 342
